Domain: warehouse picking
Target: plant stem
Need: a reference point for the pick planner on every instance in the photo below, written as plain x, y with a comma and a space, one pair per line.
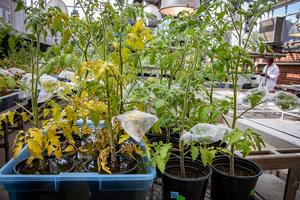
121, 71
109, 125
235, 69
184, 115
34, 83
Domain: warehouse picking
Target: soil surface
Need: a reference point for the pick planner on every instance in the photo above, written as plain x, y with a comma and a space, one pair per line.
190, 172
123, 166
239, 171
49, 166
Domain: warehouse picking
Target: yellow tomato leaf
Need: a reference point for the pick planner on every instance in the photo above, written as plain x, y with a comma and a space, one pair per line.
56, 111
57, 154
24, 116
17, 149
30, 160
34, 148
137, 28
139, 44
85, 129
46, 112
11, 117
36, 135
123, 138
69, 148
49, 150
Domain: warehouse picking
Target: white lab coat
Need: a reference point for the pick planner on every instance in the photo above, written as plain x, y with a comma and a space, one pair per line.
273, 72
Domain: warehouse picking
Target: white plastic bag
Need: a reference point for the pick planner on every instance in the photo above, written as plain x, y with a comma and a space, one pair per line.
49, 85
67, 75
285, 100
263, 92
26, 82
136, 123
5, 72
16, 71
204, 133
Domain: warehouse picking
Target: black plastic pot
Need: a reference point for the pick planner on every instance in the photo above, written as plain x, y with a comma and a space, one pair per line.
228, 187
189, 188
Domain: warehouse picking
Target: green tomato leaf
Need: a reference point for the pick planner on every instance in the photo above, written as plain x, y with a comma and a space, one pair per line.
194, 152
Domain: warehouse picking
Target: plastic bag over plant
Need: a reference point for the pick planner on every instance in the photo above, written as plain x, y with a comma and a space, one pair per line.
256, 95
67, 75
26, 82
16, 71
204, 133
5, 72
136, 123
48, 87
286, 100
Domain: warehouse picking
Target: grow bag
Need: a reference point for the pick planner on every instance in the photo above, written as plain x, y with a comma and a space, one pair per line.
9, 100
76, 185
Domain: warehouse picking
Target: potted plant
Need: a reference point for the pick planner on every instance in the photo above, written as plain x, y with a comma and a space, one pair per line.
234, 177
183, 175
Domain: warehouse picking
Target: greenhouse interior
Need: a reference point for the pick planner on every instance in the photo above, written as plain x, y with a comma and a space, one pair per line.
150, 100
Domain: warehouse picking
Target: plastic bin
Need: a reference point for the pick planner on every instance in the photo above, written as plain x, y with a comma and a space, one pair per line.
74, 186
9, 100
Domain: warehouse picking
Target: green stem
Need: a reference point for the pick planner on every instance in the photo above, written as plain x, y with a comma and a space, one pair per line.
191, 69
121, 71
34, 84
109, 125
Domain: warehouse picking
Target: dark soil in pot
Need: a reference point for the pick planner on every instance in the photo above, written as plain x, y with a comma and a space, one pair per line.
191, 187
238, 187
50, 165
125, 164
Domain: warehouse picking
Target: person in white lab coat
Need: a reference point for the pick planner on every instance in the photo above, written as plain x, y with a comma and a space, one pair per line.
270, 75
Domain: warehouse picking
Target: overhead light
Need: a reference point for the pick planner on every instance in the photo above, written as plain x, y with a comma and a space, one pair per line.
60, 4
75, 13
174, 7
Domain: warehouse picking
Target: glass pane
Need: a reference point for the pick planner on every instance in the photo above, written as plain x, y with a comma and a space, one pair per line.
293, 8
264, 16
279, 12
28, 2
291, 18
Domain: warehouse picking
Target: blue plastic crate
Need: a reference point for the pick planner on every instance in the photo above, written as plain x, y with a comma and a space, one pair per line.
74, 186
89, 185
